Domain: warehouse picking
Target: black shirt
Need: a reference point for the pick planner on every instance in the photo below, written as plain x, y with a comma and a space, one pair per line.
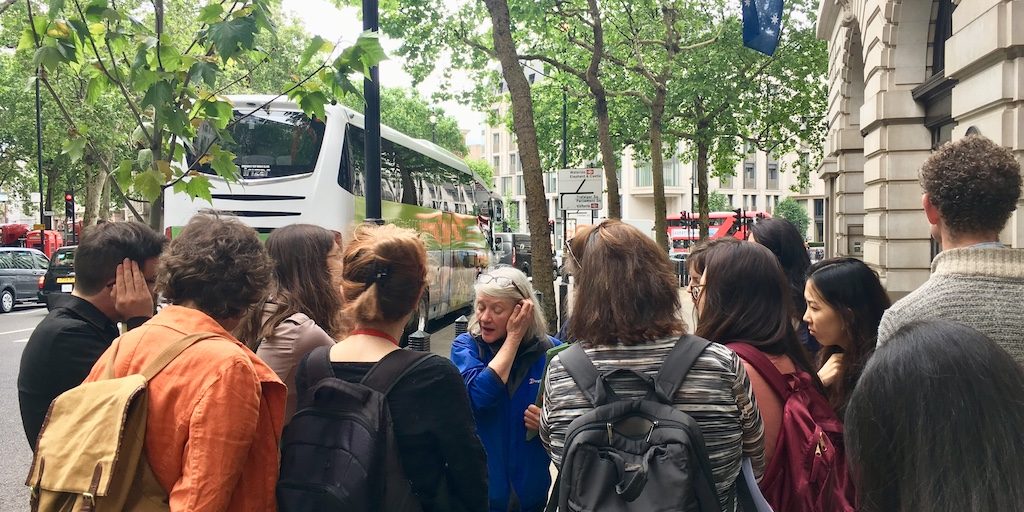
436, 435
59, 355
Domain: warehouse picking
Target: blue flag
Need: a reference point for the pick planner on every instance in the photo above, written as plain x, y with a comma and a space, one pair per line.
762, 25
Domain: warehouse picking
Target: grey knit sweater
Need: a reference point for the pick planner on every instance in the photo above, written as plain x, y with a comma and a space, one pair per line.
979, 287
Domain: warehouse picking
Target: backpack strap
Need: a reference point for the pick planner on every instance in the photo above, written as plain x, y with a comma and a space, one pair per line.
582, 370
764, 367
684, 354
391, 368
170, 353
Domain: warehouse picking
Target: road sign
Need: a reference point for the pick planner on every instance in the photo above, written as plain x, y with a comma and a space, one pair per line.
48, 213
581, 201
581, 181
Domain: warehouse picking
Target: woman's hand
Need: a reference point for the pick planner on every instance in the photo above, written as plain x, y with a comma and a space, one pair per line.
532, 417
519, 321
830, 370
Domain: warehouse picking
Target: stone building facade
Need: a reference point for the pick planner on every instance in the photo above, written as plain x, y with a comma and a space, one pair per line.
904, 77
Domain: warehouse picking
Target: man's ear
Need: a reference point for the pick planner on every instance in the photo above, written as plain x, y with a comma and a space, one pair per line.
930, 210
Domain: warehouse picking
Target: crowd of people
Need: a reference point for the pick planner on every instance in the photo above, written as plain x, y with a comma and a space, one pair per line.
800, 388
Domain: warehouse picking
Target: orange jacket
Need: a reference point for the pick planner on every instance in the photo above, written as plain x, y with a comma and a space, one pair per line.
215, 414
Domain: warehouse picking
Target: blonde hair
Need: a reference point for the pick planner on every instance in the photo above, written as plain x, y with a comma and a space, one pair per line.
384, 271
521, 286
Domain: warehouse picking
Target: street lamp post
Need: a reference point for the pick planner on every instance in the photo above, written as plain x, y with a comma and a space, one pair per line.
433, 128
371, 142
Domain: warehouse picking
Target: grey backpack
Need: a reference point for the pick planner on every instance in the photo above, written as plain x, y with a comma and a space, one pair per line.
635, 454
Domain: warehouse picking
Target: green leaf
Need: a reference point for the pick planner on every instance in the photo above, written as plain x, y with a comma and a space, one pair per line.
82, 30
219, 113
95, 10
54, 8
313, 104
232, 36
211, 13
95, 89
49, 57
361, 56
123, 174
179, 187
139, 136
144, 78
199, 186
223, 163
27, 41
149, 184
145, 158
315, 46
158, 95
170, 58
204, 71
74, 147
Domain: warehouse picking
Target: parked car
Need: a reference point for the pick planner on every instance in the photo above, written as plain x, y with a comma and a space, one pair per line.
515, 249
20, 271
60, 274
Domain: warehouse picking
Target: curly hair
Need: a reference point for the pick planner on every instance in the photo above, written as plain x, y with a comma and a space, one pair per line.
383, 273
217, 263
975, 184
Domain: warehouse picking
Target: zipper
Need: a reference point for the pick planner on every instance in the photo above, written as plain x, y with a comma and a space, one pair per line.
335, 415
607, 427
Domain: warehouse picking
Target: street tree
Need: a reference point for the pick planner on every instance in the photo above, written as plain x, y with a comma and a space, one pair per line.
717, 202
406, 111
482, 169
172, 82
794, 212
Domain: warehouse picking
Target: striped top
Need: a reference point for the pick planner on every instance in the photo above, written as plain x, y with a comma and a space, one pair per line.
716, 393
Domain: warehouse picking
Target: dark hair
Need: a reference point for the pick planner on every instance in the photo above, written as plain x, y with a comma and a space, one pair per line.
853, 290
384, 272
934, 423
784, 240
104, 246
606, 312
975, 184
695, 261
745, 299
218, 263
306, 278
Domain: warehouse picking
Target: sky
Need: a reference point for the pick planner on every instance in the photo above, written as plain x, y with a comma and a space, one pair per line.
322, 18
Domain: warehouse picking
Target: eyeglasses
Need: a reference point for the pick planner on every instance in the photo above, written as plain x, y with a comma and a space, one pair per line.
500, 281
695, 291
575, 260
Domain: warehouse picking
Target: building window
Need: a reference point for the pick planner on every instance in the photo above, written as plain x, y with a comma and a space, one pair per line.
497, 164
773, 173
514, 165
520, 186
819, 208
753, 202
552, 182
749, 175
943, 29
729, 197
506, 185
725, 181
495, 142
643, 175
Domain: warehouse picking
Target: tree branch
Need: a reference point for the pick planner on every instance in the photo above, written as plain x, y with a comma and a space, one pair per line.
99, 156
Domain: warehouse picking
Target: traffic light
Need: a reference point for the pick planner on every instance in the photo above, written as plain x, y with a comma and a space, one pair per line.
738, 213
69, 204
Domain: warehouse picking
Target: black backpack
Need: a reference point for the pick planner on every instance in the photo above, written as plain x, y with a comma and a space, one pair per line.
635, 454
339, 452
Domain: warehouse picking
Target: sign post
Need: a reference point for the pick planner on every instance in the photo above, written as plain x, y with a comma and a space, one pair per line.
580, 189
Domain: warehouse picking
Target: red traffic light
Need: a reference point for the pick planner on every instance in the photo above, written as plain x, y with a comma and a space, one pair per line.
69, 197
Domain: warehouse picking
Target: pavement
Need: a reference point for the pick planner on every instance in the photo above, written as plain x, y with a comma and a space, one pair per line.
15, 328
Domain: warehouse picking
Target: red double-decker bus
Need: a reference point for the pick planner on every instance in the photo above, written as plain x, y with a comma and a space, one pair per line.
684, 227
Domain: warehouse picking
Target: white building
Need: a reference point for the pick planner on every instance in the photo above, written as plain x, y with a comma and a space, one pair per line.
904, 77
759, 184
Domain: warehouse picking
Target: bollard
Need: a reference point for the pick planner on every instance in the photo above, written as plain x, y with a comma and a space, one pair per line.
419, 341
563, 300
461, 325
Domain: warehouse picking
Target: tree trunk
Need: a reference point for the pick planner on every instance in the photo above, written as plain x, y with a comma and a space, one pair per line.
604, 137
702, 184
92, 189
104, 206
52, 173
526, 135
658, 168
156, 214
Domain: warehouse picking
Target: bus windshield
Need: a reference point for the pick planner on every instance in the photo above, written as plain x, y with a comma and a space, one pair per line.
269, 144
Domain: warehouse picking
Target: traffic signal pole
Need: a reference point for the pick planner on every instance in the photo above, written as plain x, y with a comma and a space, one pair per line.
371, 122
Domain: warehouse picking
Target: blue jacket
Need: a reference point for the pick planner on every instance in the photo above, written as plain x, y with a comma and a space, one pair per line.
514, 465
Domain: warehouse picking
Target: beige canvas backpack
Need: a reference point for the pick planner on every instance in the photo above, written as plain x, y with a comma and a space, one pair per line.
90, 456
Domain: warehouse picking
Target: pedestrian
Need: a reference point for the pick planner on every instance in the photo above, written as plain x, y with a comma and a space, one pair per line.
304, 309
502, 361
743, 302
384, 270
934, 423
626, 316
971, 188
743, 297
784, 240
115, 274
845, 302
216, 411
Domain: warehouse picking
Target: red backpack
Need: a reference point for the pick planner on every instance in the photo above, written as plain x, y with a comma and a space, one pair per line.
808, 471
